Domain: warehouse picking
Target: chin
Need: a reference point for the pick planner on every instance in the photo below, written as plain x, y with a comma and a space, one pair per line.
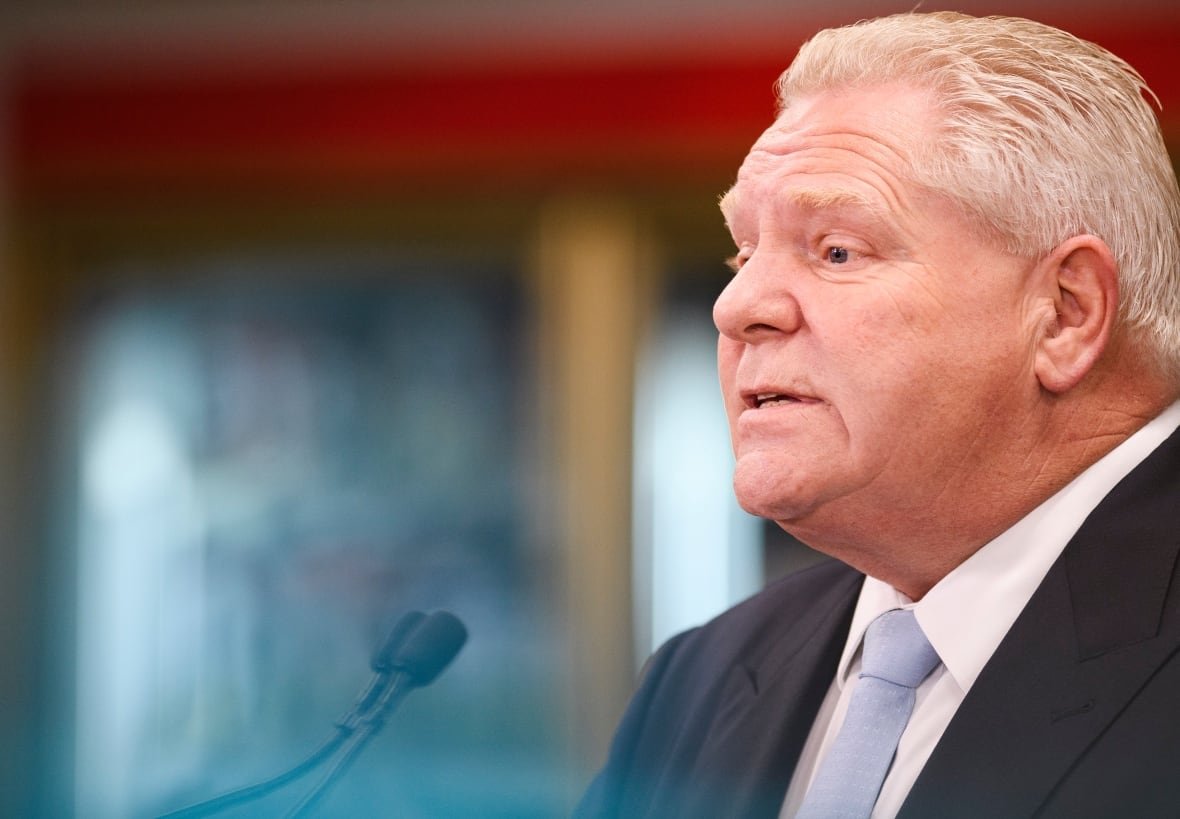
766, 494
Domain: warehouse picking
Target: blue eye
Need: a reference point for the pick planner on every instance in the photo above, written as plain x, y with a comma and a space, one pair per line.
837, 255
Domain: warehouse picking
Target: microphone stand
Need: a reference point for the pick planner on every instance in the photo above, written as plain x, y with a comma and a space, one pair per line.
355, 743
261, 789
370, 707
420, 659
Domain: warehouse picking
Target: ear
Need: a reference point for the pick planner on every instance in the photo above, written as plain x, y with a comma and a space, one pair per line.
1081, 277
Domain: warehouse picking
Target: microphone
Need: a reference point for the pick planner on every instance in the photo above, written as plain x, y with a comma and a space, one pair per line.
417, 650
429, 648
425, 654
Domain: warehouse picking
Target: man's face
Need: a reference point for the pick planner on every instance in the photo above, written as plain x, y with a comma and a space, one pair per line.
873, 352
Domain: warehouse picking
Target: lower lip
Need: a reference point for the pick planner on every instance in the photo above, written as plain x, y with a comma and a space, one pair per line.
769, 412
772, 424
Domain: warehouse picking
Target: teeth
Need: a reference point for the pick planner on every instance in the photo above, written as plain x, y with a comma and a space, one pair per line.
771, 399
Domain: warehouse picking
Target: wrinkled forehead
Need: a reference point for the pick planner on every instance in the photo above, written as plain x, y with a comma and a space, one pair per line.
902, 119
891, 127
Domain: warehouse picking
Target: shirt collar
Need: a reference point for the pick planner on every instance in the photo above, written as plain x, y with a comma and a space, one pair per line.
1001, 576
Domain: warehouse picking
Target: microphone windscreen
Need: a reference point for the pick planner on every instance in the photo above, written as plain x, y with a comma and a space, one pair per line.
385, 658
431, 647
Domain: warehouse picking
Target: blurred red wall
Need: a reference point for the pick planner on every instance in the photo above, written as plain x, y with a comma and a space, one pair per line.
113, 120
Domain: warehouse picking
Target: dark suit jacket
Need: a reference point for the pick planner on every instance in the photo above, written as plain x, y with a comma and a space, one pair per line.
1077, 714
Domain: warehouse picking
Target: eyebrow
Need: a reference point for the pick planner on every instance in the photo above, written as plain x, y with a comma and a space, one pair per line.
729, 202
823, 198
812, 199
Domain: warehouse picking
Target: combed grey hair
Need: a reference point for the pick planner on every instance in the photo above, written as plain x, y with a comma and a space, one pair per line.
1044, 136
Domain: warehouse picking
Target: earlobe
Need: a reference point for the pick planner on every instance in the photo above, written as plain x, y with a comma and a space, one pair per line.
1081, 276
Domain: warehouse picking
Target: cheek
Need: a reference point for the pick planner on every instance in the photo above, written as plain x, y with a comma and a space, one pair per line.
872, 348
890, 366
901, 333
913, 378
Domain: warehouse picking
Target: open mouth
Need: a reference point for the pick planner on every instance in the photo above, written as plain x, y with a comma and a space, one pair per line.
773, 399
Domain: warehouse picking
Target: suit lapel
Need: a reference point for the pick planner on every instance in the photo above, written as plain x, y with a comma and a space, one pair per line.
766, 712
1090, 637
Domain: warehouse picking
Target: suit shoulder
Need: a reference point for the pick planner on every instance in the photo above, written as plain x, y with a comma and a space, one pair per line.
695, 677
785, 612
797, 592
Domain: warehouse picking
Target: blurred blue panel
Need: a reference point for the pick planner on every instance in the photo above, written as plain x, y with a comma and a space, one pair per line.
696, 553
269, 469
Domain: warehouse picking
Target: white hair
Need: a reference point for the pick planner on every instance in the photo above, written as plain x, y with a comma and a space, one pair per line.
1044, 136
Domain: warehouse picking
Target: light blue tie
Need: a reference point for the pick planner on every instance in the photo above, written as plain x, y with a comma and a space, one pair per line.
896, 658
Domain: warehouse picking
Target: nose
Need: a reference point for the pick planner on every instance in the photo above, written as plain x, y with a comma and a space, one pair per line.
757, 304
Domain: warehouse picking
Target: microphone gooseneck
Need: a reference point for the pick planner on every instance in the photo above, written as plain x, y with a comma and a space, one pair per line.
382, 665
417, 650
428, 649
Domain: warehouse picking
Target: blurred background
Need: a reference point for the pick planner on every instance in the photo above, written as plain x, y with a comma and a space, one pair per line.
315, 313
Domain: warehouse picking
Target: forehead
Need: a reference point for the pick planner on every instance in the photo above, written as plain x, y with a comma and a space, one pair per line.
850, 147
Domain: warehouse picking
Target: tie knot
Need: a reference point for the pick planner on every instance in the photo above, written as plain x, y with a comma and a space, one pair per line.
897, 651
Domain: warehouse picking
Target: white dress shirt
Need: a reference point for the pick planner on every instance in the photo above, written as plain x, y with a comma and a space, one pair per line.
965, 616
